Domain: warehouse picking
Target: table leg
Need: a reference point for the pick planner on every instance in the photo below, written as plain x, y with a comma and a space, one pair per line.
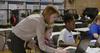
5, 41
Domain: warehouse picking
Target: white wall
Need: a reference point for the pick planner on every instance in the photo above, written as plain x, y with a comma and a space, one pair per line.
3, 13
3, 5
33, 7
59, 6
33, 0
16, 6
15, 0
43, 6
3, 17
59, 1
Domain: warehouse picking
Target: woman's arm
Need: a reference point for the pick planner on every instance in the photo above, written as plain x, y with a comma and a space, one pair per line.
40, 31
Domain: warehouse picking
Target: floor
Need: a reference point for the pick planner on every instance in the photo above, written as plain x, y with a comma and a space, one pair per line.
27, 51
6, 51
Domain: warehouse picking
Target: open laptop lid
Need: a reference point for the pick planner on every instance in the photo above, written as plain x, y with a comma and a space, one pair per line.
83, 45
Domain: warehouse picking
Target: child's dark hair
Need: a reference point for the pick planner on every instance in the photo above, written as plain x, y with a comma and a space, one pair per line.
67, 17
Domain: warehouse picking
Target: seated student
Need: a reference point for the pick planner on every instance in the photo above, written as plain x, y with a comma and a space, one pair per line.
66, 38
94, 31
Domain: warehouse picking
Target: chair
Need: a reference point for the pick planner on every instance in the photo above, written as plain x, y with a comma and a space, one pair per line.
55, 39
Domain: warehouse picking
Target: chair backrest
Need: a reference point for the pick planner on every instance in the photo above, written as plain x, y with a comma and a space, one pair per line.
55, 39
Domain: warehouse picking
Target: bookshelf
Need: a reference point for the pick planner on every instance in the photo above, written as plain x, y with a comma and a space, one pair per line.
30, 4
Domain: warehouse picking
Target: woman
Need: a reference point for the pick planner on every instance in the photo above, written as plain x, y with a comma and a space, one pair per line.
31, 26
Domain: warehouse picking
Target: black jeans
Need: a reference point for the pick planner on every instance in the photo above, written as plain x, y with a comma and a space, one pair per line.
16, 45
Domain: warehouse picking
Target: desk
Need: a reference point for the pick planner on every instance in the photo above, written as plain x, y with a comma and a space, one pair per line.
62, 24
5, 30
75, 33
83, 32
89, 50
78, 22
85, 29
55, 33
93, 50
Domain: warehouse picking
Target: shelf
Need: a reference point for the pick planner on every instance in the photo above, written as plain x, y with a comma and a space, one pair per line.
15, 2
58, 1
28, 4
33, 7
33, 3
32, 0
45, 3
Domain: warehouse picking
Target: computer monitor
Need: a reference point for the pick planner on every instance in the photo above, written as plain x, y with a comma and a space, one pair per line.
90, 12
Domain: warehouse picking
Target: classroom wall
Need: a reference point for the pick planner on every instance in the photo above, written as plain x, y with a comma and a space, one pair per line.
3, 5
80, 5
16, 6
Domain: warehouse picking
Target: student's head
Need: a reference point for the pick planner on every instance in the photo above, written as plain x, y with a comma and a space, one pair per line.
69, 21
97, 20
50, 14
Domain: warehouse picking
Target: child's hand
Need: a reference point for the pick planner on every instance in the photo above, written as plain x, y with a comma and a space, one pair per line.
96, 35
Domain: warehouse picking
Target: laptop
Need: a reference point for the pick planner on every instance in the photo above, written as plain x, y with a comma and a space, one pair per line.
81, 47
